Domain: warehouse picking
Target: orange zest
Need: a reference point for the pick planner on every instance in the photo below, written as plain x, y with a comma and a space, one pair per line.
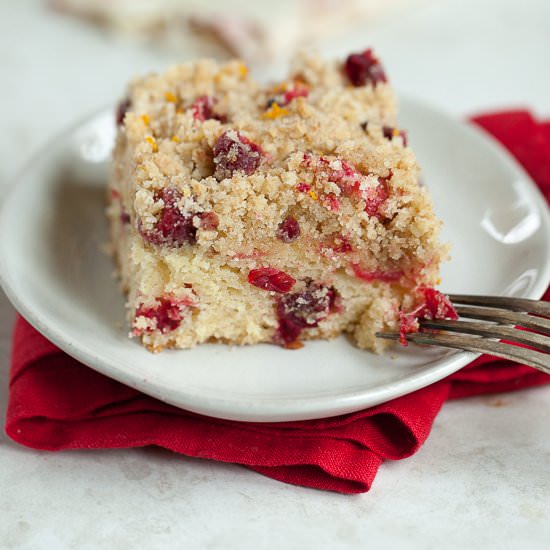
153, 143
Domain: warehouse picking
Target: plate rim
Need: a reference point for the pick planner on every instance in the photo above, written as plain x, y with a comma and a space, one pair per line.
269, 411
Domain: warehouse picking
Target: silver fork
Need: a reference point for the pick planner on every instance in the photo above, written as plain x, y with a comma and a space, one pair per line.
494, 319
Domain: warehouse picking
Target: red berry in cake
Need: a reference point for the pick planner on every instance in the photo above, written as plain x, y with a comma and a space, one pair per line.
433, 304
166, 315
345, 175
174, 227
331, 201
336, 244
209, 221
121, 110
408, 324
203, 109
302, 310
364, 68
390, 132
303, 187
437, 305
299, 90
269, 278
390, 276
376, 197
351, 181
234, 152
289, 230
124, 218
341, 245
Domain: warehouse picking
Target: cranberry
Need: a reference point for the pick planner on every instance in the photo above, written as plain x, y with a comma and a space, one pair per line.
364, 68
376, 197
253, 255
408, 324
203, 109
167, 314
339, 172
121, 110
283, 99
376, 275
173, 228
303, 187
289, 230
301, 310
350, 181
209, 221
124, 218
390, 132
269, 278
434, 305
297, 91
332, 202
437, 305
235, 152
341, 245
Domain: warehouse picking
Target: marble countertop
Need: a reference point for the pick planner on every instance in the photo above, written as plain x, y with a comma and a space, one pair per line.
482, 480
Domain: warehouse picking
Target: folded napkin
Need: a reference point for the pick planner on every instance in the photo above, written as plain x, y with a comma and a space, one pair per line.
57, 403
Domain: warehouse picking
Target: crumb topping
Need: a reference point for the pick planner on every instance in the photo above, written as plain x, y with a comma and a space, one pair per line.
293, 196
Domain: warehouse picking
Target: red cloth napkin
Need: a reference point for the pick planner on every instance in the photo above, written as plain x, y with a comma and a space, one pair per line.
57, 403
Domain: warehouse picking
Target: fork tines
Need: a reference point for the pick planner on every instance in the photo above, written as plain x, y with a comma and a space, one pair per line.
494, 319
537, 307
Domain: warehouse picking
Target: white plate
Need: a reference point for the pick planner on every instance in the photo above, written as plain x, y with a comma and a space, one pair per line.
52, 269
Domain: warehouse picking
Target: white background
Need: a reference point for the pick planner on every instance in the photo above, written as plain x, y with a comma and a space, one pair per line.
482, 480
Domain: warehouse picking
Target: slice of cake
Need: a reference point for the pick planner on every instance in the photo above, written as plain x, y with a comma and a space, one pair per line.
245, 213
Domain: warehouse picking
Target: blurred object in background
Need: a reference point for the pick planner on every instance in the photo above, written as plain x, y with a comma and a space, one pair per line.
256, 31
